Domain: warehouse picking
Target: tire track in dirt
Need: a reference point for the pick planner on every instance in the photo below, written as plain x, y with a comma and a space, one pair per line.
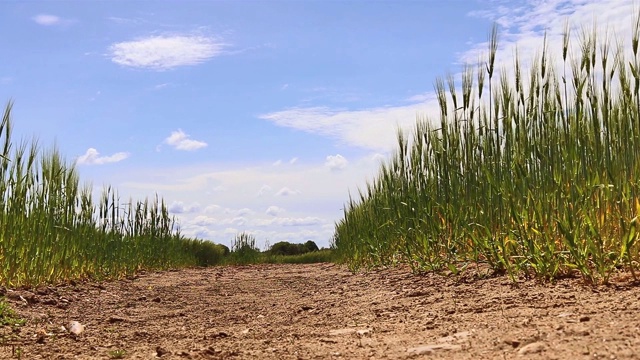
322, 311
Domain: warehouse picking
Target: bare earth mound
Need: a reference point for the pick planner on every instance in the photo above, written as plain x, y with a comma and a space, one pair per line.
322, 311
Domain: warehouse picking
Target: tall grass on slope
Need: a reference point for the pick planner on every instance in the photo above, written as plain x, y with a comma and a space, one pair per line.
51, 230
538, 173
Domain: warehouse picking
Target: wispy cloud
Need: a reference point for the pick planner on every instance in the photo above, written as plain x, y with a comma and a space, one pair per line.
525, 26
264, 189
522, 25
306, 221
285, 191
181, 141
161, 86
92, 157
47, 19
166, 51
373, 128
336, 162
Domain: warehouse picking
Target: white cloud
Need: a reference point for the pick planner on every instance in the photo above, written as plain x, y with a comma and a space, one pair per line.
46, 19
166, 51
92, 157
179, 207
285, 191
181, 141
293, 160
323, 195
306, 221
202, 220
374, 128
274, 210
336, 162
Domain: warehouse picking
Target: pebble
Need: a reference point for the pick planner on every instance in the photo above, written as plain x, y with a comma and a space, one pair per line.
75, 328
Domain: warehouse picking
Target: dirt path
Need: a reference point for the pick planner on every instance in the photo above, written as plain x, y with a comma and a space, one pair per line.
322, 311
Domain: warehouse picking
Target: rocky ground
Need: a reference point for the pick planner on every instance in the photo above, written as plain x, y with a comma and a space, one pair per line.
322, 311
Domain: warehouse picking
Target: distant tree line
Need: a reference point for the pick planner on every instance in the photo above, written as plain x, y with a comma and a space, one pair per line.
287, 248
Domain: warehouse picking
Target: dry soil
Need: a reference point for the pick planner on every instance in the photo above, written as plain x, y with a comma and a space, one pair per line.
322, 311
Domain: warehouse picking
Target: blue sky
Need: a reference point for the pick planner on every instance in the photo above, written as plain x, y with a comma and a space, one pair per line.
255, 116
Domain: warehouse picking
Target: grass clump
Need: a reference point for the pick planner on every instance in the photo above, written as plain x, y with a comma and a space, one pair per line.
8, 316
535, 174
244, 250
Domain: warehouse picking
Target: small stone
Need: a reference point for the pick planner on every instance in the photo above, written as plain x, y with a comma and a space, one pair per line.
584, 318
219, 335
75, 328
533, 348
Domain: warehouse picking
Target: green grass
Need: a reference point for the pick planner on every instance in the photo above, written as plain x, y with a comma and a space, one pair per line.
52, 230
320, 256
8, 316
536, 173
117, 354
